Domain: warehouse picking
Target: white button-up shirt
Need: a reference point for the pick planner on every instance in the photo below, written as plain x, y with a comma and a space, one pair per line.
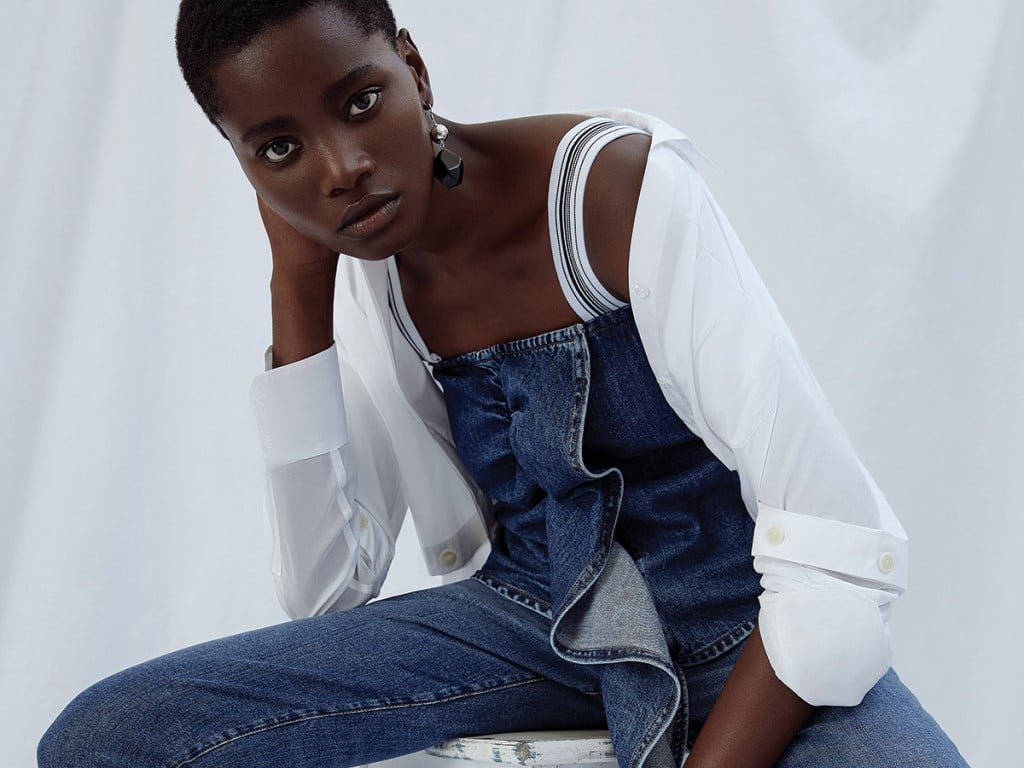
357, 435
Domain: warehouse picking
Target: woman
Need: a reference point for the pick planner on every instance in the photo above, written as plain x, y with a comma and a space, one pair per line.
550, 338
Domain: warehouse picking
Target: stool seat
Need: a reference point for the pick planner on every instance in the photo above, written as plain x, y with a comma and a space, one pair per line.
535, 749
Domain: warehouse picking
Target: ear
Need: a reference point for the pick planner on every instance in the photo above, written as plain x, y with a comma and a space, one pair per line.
409, 53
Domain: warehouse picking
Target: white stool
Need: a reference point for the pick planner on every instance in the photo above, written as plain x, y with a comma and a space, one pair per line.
535, 749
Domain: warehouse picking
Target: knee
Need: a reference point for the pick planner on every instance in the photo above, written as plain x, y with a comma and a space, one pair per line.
100, 727
57, 748
73, 738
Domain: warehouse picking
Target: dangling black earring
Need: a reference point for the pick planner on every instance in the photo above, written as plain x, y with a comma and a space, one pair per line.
447, 165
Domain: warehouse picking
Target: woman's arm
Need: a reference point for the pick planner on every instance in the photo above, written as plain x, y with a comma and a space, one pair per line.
831, 553
754, 718
333, 512
301, 291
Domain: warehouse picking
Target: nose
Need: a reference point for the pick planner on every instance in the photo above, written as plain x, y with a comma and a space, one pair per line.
342, 166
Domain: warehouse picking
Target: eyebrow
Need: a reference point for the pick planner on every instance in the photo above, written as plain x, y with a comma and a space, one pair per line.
330, 93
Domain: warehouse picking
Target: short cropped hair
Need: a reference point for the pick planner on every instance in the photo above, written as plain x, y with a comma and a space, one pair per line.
209, 31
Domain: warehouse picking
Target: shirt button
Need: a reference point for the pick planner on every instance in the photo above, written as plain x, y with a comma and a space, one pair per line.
665, 383
886, 562
776, 535
448, 557
435, 358
641, 290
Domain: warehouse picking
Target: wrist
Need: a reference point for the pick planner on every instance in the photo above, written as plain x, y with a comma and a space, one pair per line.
302, 310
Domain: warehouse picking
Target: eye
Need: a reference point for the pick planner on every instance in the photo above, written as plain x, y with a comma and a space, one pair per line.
363, 102
278, 150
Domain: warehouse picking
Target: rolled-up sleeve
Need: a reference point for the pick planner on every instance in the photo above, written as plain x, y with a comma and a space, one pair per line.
333, 512
831, 553
299, 408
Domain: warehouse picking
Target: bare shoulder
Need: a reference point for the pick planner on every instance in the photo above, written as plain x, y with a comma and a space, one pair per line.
534, 136
521, 151
528, 147
609, 207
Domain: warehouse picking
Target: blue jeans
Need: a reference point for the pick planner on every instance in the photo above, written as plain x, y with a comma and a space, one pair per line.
401, 674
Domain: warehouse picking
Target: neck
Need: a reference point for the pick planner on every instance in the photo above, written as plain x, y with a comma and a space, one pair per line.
454, 222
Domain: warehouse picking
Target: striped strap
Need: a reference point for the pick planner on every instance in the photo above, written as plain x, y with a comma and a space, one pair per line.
573, 158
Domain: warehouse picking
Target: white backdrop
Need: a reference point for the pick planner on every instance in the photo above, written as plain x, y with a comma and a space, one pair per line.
872, 164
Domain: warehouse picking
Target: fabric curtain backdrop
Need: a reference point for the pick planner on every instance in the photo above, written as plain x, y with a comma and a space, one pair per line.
871, 162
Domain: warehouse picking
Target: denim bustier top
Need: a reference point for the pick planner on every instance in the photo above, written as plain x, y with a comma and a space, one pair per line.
611, 517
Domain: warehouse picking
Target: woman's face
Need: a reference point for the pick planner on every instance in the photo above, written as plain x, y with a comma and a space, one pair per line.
329, 127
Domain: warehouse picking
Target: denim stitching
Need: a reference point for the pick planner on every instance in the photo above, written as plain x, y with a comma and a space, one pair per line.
511, 348
653, 733
666, 714
362, 710
723, 643
544, 340
513, 593
681, 721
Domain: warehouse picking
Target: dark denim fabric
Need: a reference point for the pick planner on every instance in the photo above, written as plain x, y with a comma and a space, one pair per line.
619, 591
613, 518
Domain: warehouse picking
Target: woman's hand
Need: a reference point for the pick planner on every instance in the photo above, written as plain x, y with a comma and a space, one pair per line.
289, 248
301, 290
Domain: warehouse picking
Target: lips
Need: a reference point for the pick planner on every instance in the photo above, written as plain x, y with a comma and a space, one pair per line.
369, 216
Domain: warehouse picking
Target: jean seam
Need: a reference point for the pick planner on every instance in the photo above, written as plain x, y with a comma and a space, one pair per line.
265, 726
513, 593
720, 645
553, 338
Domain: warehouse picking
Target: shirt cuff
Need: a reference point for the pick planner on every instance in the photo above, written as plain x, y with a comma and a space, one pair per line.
859, 554
299, 409
828, 585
